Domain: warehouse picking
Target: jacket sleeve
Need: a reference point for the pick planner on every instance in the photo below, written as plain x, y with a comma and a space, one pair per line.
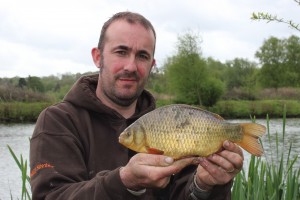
58, 165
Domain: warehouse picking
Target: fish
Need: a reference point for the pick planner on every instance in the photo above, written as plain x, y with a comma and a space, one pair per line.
180, 130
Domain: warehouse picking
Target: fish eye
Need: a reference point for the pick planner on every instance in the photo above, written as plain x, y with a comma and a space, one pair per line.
128, 133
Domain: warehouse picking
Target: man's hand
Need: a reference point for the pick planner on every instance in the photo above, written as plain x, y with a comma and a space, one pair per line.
151, 171
220, 168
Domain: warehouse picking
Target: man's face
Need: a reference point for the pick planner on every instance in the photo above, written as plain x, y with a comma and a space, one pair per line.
126, 62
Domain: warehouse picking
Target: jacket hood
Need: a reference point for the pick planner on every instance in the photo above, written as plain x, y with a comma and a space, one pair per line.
83, 94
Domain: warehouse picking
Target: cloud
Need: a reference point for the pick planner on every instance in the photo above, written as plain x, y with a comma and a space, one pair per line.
43, 38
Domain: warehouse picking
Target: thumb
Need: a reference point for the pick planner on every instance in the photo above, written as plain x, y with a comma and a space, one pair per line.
178, 165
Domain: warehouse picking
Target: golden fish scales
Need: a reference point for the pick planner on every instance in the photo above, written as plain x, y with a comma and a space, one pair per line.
182, 130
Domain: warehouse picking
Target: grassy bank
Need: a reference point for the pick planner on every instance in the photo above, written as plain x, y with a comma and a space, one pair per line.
245, 109
28, 112
20, 111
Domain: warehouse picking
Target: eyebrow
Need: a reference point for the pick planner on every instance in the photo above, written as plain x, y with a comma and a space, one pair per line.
123, 47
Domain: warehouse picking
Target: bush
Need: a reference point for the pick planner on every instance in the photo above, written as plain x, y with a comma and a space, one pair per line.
21, 112
11, 93
280, 93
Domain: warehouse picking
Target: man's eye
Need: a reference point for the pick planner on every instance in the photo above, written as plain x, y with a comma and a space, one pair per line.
143, 57
123, 53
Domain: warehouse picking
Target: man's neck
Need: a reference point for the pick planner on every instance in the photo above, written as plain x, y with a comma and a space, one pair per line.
125, 111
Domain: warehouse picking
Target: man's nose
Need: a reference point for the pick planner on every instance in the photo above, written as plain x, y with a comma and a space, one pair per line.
131, 64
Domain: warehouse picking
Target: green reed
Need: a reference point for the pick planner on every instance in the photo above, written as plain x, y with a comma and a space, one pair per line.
25, 178
276, 178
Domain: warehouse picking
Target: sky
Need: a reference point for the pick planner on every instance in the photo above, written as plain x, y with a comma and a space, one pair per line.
43, 38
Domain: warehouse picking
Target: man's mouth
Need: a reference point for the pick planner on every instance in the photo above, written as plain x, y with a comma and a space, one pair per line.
127, 79
132, 77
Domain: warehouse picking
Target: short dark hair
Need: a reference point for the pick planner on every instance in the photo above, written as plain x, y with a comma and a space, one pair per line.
131, 18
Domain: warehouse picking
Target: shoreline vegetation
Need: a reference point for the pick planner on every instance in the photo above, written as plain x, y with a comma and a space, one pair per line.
28, 112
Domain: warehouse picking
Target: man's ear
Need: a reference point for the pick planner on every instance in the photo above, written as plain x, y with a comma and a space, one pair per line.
153, 64
96, 56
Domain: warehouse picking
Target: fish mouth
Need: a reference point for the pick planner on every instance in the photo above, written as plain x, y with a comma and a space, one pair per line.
121, 140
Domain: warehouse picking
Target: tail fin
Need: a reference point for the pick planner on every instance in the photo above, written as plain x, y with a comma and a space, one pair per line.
250, 141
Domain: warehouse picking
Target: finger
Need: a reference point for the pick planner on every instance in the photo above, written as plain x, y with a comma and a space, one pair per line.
184, 162
222, 162
203, 179
159, 166
217, 174
233, 148
233, 154
154, 160
176, 167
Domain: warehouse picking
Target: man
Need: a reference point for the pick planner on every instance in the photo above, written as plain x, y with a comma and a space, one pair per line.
74, 151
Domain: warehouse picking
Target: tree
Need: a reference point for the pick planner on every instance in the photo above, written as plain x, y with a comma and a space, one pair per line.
212, 90
271, 56
50, 83
187, 74
35, 84
280, 61
22, 83
216, 68
292, 61
157, 81
241, 73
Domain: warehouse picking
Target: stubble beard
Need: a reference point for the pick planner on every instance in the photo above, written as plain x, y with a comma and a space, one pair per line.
110, 89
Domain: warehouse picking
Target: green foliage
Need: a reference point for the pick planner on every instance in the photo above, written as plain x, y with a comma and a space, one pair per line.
241, 73
280, 58
187, 74
24, 177
280, 62
243, 109
274, 18
21, 112
217, 69
157, 82
184, 79
271, 57
212, 90
35, 84
22, 83
10, 93
37, 89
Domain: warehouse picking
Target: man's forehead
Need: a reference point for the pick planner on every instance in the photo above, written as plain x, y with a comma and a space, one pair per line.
120, 24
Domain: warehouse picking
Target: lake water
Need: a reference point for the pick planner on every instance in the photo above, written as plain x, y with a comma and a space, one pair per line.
17, 136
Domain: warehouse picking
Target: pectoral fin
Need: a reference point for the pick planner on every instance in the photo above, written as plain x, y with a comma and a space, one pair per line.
154, 151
